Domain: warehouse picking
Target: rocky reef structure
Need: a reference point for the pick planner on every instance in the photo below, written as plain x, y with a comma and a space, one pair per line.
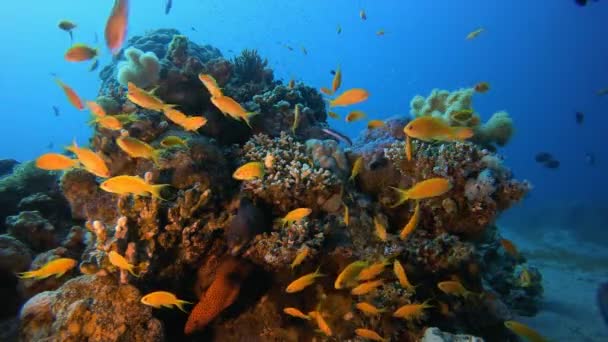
219, 242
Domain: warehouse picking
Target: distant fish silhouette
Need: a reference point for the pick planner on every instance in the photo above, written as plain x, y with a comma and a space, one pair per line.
96, 38
50, 145
56, 110
602, 301
580, 117
333, 72
590, 158
552, 164
193, 29
543, 157
168, 5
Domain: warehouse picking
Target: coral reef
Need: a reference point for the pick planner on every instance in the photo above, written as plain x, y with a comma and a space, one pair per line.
222, 241
142, 69
89, 308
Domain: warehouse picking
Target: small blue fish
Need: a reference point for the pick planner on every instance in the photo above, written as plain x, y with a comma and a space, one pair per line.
168, 5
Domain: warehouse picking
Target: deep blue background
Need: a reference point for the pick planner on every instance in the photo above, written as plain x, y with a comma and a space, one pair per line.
544, 60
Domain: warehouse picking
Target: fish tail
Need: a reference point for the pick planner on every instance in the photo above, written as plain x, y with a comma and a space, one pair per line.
167, 105
27, 275
155, 190
248, 117
403, 196
180, 305
461, 133
130, 269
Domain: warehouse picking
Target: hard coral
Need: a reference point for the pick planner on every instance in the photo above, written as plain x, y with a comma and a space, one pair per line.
472, 205
292, 181
89, 308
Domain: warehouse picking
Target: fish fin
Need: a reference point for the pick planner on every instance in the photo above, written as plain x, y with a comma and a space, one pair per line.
403, 196
27, 275
59, 275
248, 117
130, 269
156, 156
180, 305
155, 191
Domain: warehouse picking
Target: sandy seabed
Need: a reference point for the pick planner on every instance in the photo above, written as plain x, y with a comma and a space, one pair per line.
572, 270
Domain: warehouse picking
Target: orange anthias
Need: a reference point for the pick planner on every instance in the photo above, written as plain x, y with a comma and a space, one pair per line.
116, 26
71, 95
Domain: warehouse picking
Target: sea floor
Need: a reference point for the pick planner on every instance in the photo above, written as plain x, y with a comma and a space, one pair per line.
572, 270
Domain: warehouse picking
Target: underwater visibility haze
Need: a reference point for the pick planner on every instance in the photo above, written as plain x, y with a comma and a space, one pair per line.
350, 170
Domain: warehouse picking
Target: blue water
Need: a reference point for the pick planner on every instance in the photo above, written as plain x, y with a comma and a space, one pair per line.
543, 59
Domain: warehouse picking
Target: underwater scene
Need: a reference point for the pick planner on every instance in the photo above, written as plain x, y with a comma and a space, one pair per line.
346, 170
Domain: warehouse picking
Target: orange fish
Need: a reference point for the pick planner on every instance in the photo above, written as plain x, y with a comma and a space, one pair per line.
525, 331
350, 97
228, 106
337, 81
326, 91
427, 188
96, 109
223, 291
482, 87
408, 147
321, 323
366, 287
368, 309
369, 334
145, 99
355, 115
428, 128
55, 162
80, 52
303, 282
108, 122
116, 26
333, 115
90, 160
411, 224
71, 95
136, 148
211, 84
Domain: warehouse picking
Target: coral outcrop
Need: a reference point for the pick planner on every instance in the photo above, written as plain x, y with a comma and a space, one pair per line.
89, 308
456, 108
221, 240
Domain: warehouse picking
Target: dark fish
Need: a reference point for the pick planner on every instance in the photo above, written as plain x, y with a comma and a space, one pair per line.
543, 157
50, 145
552, 164
602, 301
590, 159
168, 5
56, 110
581, 2
193, 29
580, 117
338, 136
333, 72
95, 64
248, 222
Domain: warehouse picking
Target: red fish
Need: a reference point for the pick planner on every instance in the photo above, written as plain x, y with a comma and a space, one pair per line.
116, 26
221, 294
